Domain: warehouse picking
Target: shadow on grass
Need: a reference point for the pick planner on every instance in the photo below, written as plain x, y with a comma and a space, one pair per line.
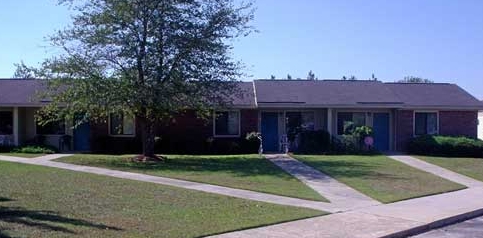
239, 166
4, 235
2, 199
45, 220
352, 169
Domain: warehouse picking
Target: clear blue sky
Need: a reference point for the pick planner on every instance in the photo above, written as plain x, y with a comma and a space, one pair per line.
437, 39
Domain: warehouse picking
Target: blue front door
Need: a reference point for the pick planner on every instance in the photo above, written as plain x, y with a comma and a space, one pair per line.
82, 136
270, 131
381, 131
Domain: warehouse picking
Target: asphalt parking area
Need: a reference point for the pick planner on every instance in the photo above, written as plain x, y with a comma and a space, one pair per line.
468, 229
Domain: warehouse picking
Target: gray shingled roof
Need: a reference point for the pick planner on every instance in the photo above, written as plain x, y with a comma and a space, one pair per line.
24, 92
361, 93
305, 93
323, 93
246, 97
19, 92
434, 95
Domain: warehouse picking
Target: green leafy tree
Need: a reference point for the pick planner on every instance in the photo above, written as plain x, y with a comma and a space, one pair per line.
311, 76
352, 77
272, 77
151, 59
22, 71
289, 77
373, 77
412, 79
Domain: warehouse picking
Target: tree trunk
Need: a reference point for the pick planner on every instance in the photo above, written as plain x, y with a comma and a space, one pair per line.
147, 125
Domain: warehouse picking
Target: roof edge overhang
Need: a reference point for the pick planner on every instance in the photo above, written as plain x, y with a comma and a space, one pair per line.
237, 107
368, 105
303, 105
443, 107
23, 104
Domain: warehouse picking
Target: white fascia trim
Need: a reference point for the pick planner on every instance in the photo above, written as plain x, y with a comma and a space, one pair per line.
255, 94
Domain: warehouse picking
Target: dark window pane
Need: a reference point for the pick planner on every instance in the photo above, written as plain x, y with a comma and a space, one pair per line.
432, 123
227, 123
293, 124
420, 126
221, 123
344, 121
6, 123
121, 125
116, 124
128, 127
359, 119
308, 121
297, 122
233, 123
51, 128
425, 123
348, 121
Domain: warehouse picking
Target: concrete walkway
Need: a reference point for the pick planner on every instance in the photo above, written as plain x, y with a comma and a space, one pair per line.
438, 171
398, 219
337, 193
232, 192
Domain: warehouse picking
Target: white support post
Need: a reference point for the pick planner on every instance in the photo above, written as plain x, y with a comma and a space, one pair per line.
15, 126
329, 121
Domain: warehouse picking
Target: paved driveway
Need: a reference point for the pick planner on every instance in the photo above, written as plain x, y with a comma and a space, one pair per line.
468, 229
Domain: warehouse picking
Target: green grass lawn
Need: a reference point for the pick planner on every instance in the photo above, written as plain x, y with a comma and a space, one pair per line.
471, 167
38, 201
250, 172
380, 177
23, 155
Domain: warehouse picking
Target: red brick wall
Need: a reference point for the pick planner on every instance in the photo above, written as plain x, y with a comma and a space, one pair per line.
188, 123
249, 121
186, 127
451, 123
458, 123
102, 142
404, 128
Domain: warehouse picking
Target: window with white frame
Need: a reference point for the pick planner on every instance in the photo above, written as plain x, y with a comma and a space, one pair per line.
121, 125
227, 123
348, 121
425, 123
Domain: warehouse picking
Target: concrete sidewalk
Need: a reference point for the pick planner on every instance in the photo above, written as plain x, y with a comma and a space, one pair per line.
438, 171
232, 192
335, 191
385, 220
398, 219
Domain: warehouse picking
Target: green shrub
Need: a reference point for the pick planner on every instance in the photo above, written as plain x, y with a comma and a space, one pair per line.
34, 150
251, 144
349, 144
200, 144
363, 132
314, 142
321, 142
446, 146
